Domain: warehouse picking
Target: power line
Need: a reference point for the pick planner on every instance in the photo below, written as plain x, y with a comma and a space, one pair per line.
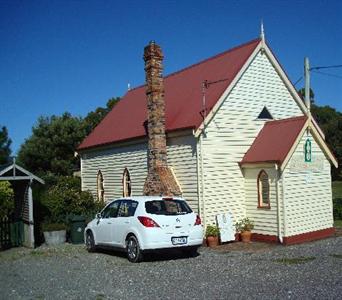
327, 74
326, 67
301, 77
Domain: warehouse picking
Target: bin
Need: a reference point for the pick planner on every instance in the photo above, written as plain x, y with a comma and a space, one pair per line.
77, 229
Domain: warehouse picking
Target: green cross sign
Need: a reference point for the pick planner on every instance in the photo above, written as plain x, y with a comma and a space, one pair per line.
307, 151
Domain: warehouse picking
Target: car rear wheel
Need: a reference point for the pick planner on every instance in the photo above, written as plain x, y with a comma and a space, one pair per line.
90, 243
134, 253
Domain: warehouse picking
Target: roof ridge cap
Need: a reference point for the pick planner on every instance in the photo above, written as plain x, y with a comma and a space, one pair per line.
202, 61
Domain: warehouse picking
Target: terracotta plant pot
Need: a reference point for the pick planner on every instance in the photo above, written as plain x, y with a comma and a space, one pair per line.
212, 241
246, 236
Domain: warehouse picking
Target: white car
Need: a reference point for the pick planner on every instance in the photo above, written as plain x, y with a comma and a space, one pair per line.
141, 224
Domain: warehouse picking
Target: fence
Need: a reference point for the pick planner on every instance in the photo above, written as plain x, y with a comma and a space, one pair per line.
11, 233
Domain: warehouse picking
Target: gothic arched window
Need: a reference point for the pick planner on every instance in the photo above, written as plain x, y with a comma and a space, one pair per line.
126, 184
100, 188
263, 190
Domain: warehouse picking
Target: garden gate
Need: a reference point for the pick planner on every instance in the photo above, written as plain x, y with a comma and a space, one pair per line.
11, 233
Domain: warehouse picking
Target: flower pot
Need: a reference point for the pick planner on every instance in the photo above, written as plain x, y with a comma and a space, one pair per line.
55, 237
212, 241
246, 236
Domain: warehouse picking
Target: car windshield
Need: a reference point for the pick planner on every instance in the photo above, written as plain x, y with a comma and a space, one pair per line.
167, 207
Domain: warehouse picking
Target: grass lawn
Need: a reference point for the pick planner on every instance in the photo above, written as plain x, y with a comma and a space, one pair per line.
338, 223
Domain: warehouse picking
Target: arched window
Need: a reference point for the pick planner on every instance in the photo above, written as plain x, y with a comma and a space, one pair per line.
100, 188
263, 190
126, 184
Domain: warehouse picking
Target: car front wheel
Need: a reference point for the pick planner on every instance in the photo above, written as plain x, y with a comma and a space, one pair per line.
134, 253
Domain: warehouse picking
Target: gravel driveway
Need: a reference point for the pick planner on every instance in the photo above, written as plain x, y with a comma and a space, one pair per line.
307, 271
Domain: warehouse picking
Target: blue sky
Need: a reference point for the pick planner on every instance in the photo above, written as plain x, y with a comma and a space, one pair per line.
58, 56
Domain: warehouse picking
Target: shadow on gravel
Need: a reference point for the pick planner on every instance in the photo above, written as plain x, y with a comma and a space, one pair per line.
161, 255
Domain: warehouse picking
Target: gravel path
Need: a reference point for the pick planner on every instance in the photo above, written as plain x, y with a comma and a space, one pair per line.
307, 271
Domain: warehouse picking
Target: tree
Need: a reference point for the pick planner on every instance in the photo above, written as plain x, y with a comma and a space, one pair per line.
6, 199
95, 117
51, 147
65, 198
5, 143
301, 93
330, 121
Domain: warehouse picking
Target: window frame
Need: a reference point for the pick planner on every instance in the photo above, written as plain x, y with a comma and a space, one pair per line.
126, 183
130, 203
100, 186
261, 203
109, 206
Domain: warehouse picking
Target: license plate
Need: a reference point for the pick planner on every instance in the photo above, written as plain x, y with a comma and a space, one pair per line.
179, 240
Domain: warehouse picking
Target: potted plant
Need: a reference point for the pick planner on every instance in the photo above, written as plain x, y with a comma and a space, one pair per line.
212, 235
244, 227
54, 233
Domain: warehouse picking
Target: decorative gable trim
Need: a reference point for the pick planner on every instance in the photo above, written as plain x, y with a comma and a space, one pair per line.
28, 175
285, 79
218, 104
309, 125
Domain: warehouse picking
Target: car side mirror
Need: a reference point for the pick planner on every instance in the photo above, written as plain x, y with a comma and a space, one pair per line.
98, 216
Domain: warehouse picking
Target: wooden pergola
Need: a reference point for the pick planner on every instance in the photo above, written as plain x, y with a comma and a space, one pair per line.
21, 181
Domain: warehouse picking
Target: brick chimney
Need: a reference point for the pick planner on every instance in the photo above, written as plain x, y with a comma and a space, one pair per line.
160, 178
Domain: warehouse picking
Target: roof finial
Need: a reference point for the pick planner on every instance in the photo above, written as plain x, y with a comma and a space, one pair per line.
262, 32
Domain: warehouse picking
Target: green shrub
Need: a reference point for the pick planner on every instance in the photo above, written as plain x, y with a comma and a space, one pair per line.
65, 199
53, 226
212, 230
337, 202
6, 199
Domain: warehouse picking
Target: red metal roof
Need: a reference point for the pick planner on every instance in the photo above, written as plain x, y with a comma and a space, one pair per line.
274, 141
183, 98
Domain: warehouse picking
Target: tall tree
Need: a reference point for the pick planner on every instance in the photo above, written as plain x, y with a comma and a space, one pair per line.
5, 143
95, 117
51, 147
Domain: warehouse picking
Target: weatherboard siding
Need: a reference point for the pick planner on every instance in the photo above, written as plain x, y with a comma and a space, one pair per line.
265, 219
112, 162
307, 194
233, 129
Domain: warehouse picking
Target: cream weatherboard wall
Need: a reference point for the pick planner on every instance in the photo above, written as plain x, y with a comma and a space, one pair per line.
265, 219
307, 191
112, 162
231, 132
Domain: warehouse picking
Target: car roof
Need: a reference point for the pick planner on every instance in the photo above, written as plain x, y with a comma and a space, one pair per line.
147, 198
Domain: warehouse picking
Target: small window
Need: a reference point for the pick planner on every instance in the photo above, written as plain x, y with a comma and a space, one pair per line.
265, 114
100, 188
126, 184
127, 208
263, 190
167, 207
111, 210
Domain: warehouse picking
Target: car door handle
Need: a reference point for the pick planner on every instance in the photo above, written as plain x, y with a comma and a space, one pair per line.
126, 222
109, 222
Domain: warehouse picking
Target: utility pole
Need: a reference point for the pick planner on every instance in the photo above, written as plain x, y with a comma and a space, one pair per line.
307, 83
